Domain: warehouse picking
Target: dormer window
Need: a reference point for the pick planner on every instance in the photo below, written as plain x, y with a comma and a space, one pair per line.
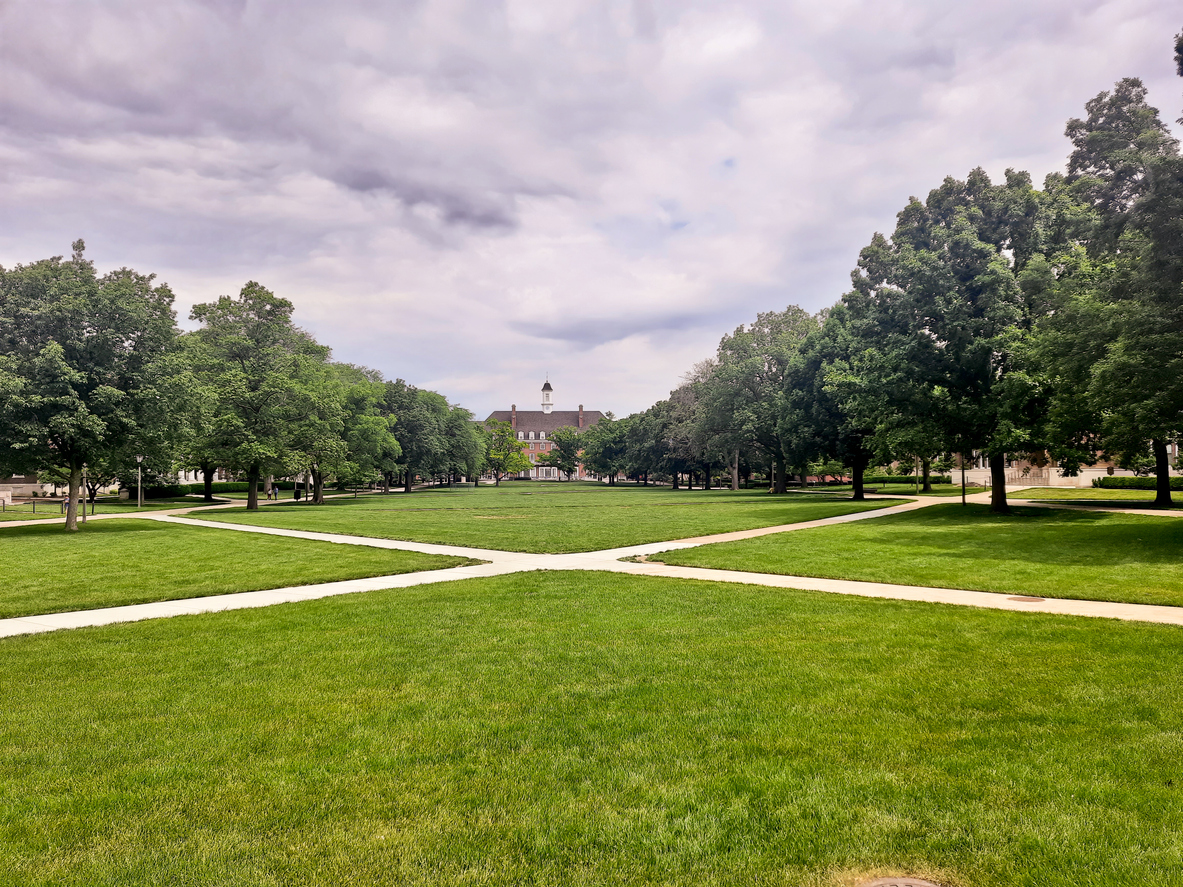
531, 435
542, 435
521, 435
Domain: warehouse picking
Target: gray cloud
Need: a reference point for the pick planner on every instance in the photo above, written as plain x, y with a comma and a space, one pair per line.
469, 193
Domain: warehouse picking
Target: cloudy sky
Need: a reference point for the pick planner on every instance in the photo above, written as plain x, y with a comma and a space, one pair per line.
470, 194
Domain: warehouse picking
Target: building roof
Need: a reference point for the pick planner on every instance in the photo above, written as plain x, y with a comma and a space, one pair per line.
546, 386
536, 420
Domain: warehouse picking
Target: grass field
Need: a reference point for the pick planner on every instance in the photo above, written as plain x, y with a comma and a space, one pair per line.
596, 730
1037, 551
549, 517
117, 562
47, 510
1094, 496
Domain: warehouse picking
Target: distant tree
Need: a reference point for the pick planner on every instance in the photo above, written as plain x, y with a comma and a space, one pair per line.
605, 448
744, 399
503, 455
262, 372
80, 359
564, 452
465, 444
372, 448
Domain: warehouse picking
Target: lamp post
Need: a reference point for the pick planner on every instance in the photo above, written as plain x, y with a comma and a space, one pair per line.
139, 481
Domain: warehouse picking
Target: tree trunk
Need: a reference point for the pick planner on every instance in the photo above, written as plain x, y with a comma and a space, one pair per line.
1162, 468
72, 506
998, 484
318, 487
207, 473
675, 480
252, 488
735, 472
858, 466
926, 467
779, 480
407, 482
706, 484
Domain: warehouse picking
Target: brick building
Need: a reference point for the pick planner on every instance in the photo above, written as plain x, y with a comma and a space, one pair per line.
535, 427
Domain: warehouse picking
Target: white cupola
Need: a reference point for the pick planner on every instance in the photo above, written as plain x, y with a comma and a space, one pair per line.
547, 405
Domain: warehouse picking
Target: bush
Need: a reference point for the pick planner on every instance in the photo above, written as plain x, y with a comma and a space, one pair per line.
1134, 483
904, 479
164, 491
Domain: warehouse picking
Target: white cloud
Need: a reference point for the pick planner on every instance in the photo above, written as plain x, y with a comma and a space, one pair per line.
470, 194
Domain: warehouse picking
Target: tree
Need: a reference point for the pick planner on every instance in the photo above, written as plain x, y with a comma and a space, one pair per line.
605, 448
372, 448
80, 363
823, 398
564, 451
317, 438
941, 319
744, 399
260, 370
503, 451
465, 444
1129, 319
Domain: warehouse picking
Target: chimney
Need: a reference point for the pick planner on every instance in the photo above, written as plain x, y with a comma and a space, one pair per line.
581, 415
513, 416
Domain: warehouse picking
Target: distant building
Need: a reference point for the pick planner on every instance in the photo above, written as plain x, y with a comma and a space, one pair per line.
535, 428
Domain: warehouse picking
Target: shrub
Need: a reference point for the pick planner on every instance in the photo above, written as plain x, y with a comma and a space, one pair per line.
1134, 483
163, 491
904, 479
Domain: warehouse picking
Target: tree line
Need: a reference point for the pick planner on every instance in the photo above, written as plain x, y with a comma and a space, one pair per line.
997, 318
95, 373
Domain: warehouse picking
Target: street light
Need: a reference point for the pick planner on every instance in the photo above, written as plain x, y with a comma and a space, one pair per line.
139, 481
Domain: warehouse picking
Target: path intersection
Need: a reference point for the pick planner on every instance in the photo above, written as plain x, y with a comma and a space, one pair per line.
500, 563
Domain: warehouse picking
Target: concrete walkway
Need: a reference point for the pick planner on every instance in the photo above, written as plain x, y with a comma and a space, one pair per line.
499, 563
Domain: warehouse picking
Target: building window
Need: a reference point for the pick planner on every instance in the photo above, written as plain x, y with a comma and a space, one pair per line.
531, 435
521, 435
531, 446
542, 435
531, 457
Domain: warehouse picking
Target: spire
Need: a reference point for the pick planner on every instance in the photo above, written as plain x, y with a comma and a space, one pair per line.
547, 405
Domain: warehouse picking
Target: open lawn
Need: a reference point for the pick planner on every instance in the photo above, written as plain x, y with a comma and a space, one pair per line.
116, 562
1094, 496
50, 510
1036, 551
554, 518
589, 729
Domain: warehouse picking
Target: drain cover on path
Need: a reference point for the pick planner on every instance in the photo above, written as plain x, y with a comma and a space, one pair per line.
898, 882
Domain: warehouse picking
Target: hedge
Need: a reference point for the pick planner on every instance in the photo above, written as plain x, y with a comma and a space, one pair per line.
904, 479
164, 491
1134, 483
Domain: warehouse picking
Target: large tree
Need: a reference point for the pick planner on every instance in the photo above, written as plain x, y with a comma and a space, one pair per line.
941, 319
80, 359
262, 372
1128, 319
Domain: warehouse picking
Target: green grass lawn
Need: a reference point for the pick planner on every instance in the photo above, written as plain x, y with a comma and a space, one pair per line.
47, 510
1036, 551
590, 729
550, 517
1094, 496
116, 562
